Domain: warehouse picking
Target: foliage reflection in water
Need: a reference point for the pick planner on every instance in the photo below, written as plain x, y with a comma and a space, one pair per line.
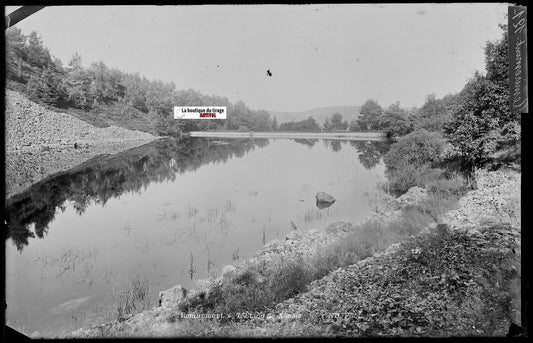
170, 212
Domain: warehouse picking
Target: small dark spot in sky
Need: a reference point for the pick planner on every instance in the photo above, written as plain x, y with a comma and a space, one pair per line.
218, 66
420, 12
269, 73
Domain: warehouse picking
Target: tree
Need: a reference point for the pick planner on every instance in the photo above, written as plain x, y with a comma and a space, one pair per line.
481, 120
275, 126
496, 60
307, 125
261, 121
478, 119
370, 114
354, 127
38, 54
433, 115
337, 122
106, 84
48, 88
327, 124
78, 84
135, 93
15, 55
394, 120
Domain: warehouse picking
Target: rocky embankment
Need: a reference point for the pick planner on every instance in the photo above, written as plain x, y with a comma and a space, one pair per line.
298, 244
451, 279
401, 291
41, 142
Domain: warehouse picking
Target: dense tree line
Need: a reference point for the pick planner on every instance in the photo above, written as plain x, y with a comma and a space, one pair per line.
308, 125
476, 121
104, 91
482, 124
399, 121
336, 123
474, 127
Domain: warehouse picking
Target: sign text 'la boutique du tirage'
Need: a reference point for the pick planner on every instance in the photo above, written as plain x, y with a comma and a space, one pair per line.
200, 112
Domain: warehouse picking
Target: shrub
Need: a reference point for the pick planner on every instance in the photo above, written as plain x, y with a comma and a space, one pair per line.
449, 183
406, 176
409, 161
417, 148
291, 279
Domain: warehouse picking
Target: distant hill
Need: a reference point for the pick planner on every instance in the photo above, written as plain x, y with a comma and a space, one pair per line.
320, 114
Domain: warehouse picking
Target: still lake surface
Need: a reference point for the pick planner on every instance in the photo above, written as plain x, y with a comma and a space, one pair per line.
171, 212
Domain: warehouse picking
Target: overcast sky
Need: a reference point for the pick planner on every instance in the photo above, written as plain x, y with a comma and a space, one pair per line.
319, 55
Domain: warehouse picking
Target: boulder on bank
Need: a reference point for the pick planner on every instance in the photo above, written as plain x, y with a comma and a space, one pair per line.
413, 196
228, 272
172, 296
324, 200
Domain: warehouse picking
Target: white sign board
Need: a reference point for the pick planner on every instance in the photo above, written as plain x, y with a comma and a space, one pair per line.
200, 112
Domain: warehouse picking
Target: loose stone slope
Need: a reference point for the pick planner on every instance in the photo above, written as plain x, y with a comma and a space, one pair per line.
41, 142
30, 125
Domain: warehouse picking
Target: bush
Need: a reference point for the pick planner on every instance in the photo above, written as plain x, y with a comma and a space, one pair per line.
417, 148
405, 177
409, 160
449, 183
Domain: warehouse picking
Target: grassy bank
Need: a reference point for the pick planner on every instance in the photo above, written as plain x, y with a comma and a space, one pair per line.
263, 285
422, 273
440, 283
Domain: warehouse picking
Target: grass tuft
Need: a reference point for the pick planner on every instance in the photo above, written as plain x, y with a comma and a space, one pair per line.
133, 300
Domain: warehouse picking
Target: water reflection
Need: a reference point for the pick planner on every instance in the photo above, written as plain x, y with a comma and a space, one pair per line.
370, 153
167, 220
307, 142
106, 177
103, 178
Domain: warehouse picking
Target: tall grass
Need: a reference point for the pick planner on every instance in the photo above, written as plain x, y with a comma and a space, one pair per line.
133, 300
261, 286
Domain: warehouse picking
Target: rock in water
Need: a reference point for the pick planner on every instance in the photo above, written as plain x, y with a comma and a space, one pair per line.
324, 200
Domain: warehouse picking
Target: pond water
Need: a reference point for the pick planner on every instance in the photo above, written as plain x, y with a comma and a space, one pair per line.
170, 212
